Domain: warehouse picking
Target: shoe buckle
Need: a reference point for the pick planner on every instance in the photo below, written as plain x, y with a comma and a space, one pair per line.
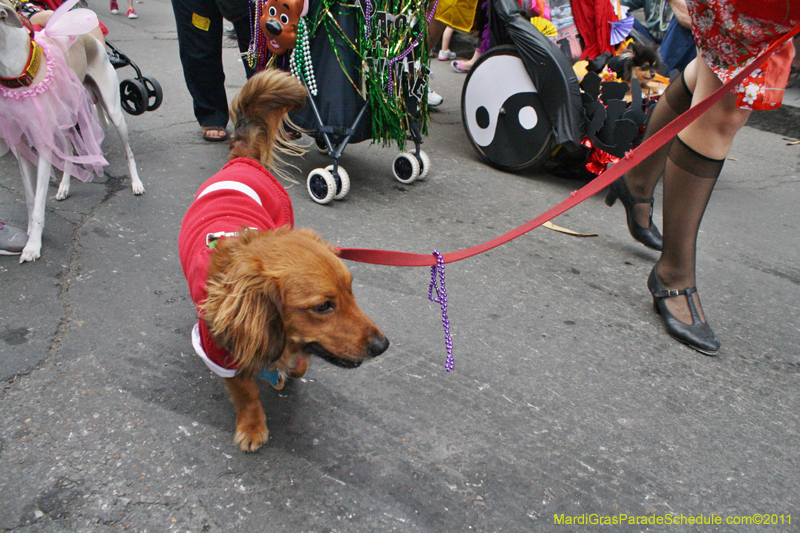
672, 293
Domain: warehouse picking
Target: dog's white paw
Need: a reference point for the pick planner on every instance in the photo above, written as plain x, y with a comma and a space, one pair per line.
30, 254
250, 439
63, 192
137, 188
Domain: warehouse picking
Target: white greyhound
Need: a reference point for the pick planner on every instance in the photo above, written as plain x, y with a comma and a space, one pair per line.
24, 65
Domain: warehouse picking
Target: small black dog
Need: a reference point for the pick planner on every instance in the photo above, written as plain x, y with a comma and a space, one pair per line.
638, 59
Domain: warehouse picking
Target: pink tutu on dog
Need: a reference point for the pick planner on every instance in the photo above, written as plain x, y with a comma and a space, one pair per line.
46, 118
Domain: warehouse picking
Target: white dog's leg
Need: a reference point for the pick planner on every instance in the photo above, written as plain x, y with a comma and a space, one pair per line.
26, 170
116, 117
108, 85
63, 187
33, 248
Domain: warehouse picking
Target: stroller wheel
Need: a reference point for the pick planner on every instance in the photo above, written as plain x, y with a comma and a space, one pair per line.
342, 180
133, 96
405, 168
424, 165
321, 186
154, 93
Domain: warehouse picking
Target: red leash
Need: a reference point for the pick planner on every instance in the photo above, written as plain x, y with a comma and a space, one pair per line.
631, 159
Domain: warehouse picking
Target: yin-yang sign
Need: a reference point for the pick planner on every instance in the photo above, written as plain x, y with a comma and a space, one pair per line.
502, 113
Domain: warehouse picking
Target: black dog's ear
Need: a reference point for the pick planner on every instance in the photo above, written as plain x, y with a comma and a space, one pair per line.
646, 53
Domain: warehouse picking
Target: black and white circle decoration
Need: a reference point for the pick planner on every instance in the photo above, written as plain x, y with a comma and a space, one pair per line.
502, 113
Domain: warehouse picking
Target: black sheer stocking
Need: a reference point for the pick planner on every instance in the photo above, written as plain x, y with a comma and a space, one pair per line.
643, 178
689, 179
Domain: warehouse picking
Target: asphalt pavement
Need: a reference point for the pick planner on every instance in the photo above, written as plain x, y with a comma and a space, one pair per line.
568, 402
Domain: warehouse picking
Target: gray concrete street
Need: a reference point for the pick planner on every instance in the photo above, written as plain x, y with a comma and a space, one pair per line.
568, 400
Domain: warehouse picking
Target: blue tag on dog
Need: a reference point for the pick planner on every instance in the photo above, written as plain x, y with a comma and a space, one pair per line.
275, 378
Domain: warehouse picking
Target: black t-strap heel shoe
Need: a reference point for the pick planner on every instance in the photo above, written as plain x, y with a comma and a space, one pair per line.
650, 236
698, 335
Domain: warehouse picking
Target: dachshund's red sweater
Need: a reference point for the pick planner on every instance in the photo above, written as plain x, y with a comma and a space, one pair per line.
242, 194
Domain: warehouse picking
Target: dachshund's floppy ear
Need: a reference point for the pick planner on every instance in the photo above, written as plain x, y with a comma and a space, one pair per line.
243, 313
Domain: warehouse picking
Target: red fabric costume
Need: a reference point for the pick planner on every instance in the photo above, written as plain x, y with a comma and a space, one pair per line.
593, 19
730, 34
242, 194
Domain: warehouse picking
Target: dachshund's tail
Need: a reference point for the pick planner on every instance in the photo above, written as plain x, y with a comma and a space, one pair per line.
259, 117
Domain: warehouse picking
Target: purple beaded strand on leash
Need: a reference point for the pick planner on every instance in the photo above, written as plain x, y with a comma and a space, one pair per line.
441, 298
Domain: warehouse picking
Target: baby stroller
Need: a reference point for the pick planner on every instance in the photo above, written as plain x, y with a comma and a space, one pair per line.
371, 77
540, 112
139, 94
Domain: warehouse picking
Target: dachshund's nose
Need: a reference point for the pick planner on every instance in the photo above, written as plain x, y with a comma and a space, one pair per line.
378, 345
273, 26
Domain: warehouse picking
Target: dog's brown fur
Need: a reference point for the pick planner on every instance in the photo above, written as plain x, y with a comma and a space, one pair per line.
258, 113
275, 298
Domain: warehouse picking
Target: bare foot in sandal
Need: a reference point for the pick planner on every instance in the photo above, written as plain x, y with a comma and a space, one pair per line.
214, 133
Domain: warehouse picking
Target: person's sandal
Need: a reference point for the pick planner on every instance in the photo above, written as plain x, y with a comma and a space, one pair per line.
458, 68
292, 133
212, 133
698, 334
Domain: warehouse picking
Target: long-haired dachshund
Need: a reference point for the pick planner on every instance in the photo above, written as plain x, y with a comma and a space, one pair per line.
268, 296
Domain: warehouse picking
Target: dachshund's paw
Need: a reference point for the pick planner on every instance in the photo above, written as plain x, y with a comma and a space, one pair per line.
250, 437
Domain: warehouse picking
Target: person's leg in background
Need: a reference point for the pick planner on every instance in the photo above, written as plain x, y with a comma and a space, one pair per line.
131, 13
464, 66
199, 25
242, 28
435, 31
484, 42
445, 54
635, 189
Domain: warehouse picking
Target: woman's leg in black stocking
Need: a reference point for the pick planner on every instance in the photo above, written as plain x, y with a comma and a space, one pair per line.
642, 179
695, 161
689, 179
